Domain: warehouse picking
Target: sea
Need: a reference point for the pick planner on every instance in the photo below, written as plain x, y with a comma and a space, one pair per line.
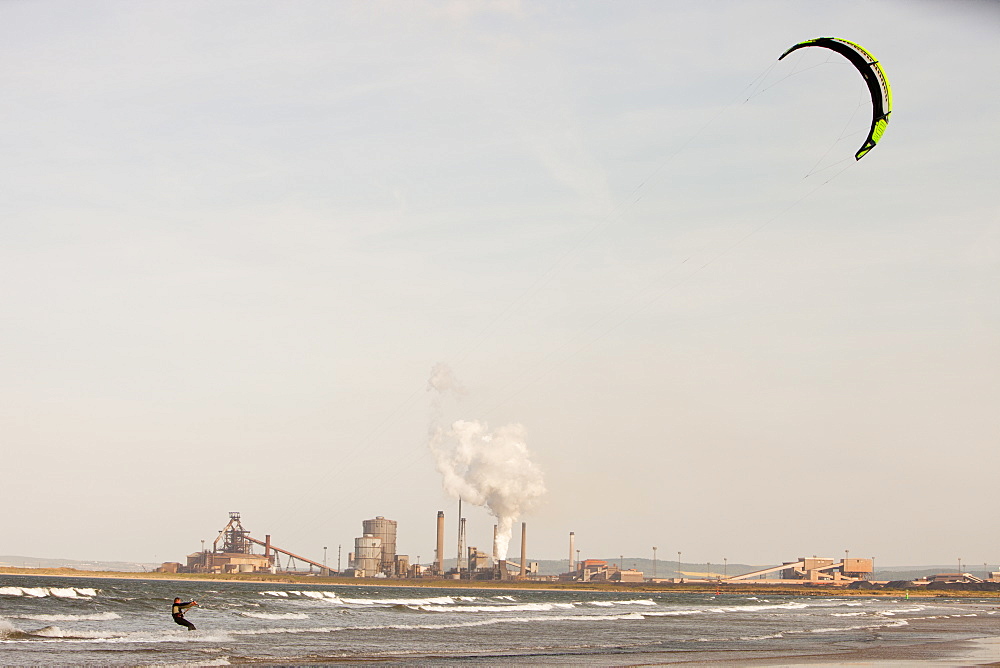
126, 622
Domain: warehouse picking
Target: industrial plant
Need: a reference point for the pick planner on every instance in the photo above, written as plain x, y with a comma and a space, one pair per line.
236, 555
375, 555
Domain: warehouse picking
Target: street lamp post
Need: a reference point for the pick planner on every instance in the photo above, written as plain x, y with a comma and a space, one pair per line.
679, 578
326, 571
725, 568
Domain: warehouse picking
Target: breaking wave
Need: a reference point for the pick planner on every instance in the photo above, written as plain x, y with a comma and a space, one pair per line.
332, 597
41, 592
93, 617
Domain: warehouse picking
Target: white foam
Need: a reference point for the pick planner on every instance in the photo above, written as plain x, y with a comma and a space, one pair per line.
333, 597
7, 629
56, 632
283, 615
93, 617
439, 600
63, 592
42, 592
526, 607
630, 616
673, 613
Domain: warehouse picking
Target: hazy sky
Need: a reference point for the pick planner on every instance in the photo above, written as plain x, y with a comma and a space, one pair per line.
236, 237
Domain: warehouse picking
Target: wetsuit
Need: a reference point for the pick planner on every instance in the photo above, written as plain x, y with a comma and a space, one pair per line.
177, 611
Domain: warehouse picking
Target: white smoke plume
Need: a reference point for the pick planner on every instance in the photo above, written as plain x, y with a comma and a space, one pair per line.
486, 468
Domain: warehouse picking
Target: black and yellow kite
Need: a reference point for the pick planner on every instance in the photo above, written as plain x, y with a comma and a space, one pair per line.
873, 75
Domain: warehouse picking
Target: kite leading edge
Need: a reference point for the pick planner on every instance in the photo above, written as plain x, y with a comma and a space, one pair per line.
874, 76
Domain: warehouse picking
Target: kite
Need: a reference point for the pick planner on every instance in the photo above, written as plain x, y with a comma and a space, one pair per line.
873, 75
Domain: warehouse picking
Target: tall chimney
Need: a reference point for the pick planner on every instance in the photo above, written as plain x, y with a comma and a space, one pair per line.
439, 554
463, 557
494, 543
572, 540
461, 538
524, 549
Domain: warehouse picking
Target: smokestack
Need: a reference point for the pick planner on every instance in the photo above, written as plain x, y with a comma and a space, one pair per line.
461, 538
267, 546
524, 549
572, 540
495, 543
439, 554
462, 556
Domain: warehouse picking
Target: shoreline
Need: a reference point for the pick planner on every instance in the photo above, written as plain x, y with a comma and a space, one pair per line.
442, 583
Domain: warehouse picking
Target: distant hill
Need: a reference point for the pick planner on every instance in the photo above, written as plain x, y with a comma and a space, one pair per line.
38, 562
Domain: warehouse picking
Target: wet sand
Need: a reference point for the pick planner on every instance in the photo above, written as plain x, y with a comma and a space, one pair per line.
976, 642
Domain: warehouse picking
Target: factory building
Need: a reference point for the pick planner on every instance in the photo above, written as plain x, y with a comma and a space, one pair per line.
385, 531
367, 556
236, 554
598, 570
375, 550
814, 570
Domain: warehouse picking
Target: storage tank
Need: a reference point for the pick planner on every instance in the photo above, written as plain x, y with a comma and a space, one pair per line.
386, 531
368, 555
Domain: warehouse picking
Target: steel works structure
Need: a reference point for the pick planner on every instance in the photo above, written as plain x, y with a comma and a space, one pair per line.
813, 569
237, 556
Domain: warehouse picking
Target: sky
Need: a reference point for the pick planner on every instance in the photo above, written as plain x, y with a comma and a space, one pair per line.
237, 239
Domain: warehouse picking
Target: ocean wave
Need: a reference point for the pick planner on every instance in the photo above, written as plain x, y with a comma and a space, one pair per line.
437, 600
8, 630
791, 605
42, 592
60, 635
283, 615
209, 662
890, 613
93, 617
57, 633
333, 597
673, 613
525, 607
629, 616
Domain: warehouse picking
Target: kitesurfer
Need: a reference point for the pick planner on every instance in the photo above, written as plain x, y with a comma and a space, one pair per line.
177, 612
